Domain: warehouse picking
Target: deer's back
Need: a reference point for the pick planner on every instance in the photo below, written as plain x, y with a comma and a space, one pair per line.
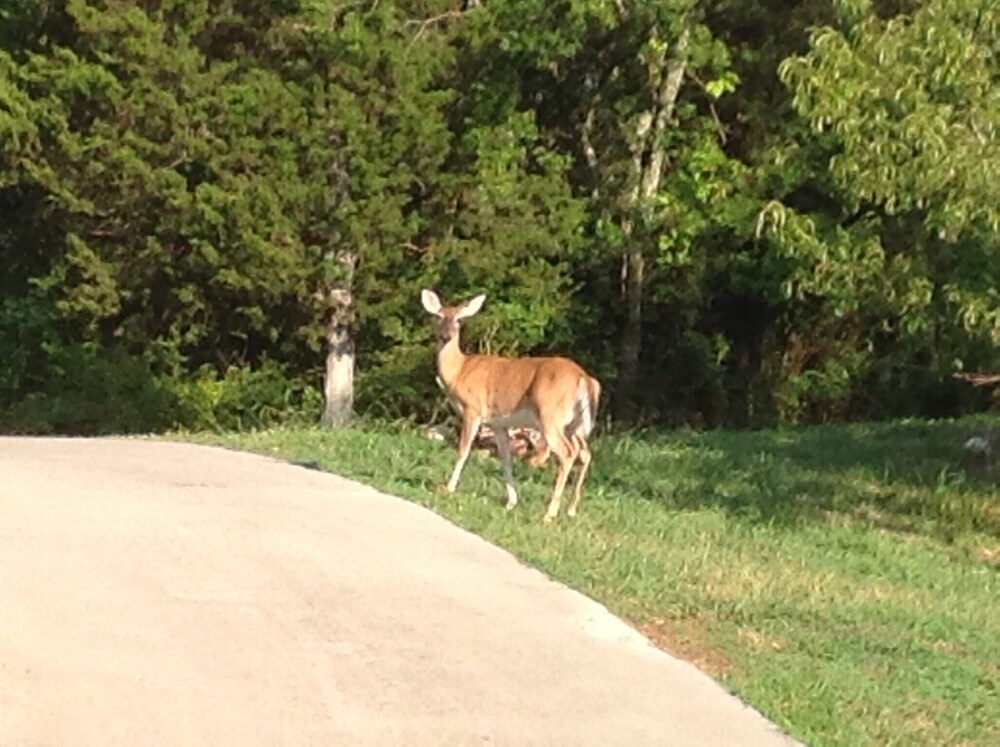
497, 386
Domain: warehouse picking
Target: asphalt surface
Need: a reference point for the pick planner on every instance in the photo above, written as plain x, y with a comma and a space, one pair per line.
157, 593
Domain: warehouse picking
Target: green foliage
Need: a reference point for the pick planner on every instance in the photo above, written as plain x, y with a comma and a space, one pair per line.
244, 399
91, 391
184, 183
914, 104
903, 254
475, 203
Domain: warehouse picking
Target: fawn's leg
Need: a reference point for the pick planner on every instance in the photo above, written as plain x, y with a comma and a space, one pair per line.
503, 451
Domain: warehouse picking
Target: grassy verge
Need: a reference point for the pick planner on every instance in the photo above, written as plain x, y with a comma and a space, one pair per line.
845, 580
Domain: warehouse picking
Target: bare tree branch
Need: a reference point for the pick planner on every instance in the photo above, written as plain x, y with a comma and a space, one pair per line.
426, 23
979, 379
719, 127
337, 11
586, 132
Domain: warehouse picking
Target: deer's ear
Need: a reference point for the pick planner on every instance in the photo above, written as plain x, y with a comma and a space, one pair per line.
471, 307
431, 302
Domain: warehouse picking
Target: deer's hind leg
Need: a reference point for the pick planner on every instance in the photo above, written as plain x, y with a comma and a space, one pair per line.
566, 453
584, 458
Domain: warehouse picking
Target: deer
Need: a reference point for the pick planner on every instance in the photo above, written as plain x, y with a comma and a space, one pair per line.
553, 395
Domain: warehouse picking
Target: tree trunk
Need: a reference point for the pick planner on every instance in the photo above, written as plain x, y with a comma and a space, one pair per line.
338, 383
648, 158
633, 279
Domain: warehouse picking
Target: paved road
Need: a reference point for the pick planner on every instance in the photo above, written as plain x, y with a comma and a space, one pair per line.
169, 594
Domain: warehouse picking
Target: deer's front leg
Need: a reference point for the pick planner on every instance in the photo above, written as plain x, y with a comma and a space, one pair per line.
470, 426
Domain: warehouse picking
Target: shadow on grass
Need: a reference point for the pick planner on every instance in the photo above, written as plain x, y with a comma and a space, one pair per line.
309, 464
904, 476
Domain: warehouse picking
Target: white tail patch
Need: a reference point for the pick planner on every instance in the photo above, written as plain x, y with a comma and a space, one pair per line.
583, 402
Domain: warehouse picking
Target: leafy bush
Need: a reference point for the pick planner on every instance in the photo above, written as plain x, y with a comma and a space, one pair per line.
93, 391
244, 398
90, 391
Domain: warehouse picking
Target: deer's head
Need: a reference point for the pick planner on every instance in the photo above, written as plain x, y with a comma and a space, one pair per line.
449, 317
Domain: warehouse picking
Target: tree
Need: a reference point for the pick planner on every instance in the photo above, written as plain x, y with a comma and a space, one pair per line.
905, 107
610, 89
182, 184
450, 184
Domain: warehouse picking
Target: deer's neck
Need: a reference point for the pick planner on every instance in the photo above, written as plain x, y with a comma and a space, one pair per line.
449, 362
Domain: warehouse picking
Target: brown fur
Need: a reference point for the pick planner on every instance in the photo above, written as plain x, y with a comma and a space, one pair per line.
553, 394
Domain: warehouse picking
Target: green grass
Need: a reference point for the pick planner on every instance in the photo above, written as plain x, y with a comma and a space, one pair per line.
845, 580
